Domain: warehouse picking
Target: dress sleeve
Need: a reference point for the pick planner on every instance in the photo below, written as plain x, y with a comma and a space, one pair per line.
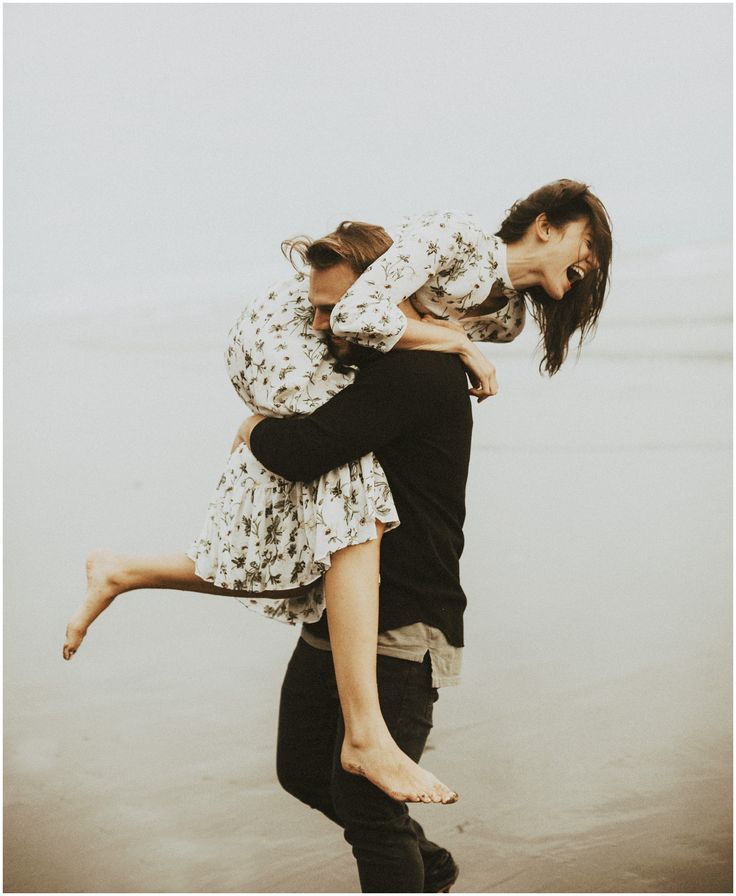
503, 325
368, 312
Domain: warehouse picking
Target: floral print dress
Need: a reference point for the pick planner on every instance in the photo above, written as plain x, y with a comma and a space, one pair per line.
456, 270
263, 533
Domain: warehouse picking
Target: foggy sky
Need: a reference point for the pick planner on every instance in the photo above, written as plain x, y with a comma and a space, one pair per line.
163, 151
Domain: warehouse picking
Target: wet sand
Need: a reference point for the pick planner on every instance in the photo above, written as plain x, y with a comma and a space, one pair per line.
590, 740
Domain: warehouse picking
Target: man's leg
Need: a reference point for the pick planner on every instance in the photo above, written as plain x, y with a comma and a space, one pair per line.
309, 733
390, 848
308, 719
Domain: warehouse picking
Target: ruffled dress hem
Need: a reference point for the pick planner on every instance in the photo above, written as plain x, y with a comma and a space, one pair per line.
264, 533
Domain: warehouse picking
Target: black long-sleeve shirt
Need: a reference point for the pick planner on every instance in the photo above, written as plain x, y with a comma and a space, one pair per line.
411, 409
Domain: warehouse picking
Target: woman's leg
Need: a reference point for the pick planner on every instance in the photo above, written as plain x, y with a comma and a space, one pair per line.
351, 593
351, 598
109, 575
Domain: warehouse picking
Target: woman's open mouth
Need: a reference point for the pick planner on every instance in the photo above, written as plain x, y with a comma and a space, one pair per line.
574, 273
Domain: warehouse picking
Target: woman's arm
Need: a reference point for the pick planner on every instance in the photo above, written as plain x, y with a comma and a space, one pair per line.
368, 312
450, 338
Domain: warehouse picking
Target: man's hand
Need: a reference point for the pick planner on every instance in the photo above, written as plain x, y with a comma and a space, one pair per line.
242, 436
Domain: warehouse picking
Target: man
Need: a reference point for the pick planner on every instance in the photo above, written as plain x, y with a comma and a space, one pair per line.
412, 410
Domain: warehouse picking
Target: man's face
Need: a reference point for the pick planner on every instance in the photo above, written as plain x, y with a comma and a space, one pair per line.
326, 288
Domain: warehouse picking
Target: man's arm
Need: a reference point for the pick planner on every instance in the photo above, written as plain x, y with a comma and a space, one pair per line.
389, 399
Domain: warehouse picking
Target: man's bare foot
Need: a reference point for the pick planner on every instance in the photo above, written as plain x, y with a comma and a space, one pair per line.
391, 770
103, 586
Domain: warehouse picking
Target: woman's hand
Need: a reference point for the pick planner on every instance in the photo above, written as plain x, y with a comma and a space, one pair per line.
480, 370
242, 436
439, 335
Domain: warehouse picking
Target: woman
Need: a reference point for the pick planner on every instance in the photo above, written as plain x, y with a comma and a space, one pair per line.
272, 541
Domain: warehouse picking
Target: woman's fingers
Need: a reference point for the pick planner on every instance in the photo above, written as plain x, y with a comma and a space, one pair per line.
480, 370
481, 393
482, 374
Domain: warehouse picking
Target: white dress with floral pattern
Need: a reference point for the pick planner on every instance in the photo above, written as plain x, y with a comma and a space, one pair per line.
456, 269
263, 533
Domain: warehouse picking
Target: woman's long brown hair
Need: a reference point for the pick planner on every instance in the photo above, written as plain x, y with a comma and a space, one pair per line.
564, 201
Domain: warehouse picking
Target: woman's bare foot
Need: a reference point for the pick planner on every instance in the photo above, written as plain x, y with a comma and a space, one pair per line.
103, 586
391, 770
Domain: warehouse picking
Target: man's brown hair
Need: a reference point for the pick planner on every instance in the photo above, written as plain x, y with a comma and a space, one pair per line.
352, 242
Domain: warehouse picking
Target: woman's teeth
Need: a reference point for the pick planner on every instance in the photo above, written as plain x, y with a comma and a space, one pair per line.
574, 273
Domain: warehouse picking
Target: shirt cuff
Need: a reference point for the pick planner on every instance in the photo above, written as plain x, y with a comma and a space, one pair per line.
388, 342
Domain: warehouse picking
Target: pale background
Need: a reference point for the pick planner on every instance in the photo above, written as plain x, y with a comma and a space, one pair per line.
155, 157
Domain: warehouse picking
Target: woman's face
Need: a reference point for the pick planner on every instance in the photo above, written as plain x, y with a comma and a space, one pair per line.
566, 256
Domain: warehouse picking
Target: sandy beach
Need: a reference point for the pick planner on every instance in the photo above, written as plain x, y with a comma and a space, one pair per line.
590, 738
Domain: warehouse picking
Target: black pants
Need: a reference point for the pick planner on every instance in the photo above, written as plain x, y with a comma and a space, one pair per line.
392, 852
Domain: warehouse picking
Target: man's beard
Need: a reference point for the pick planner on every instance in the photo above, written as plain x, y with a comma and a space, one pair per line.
349, 354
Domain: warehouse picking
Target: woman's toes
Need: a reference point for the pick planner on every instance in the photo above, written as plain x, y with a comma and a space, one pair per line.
73, 639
